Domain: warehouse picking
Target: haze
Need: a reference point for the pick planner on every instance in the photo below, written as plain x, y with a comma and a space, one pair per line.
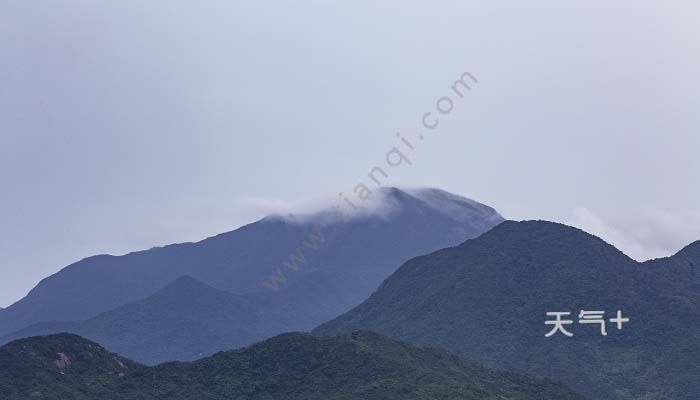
125, 125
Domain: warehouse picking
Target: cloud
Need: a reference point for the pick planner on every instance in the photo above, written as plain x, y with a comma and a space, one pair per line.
643, 234
264, 206
380, 203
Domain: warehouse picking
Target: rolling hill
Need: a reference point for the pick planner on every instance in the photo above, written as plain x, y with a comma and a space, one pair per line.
487, 300
361, 366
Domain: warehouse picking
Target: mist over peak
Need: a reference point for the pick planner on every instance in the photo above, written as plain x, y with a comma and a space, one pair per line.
387, 202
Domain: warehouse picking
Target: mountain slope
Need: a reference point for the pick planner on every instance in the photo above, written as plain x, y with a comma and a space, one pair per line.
399, 225
186, 320
487, 299
288, 367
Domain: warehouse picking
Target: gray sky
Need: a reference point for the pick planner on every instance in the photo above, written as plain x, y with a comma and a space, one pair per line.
130, 124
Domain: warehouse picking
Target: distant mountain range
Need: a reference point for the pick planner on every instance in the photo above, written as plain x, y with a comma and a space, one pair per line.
482, 296
186, 301
361, 366
487, 300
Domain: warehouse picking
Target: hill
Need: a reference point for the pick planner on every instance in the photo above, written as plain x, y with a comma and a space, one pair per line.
186, 320
362, 366
487, 300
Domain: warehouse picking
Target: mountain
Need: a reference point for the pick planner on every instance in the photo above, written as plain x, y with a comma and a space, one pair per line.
311, 267
362, 366
487, 300
186, 320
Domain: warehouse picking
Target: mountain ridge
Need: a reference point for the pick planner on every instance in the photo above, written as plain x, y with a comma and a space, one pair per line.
345, 262
487, 300
184, 321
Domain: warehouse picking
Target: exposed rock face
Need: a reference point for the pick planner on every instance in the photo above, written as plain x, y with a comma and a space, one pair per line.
63, 361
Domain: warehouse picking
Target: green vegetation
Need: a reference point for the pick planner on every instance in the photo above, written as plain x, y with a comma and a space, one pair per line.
288, 367
487, 300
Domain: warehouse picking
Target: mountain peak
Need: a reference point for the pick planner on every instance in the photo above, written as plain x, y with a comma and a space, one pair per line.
389, 201
53, 344
432, 196
546, 234
185, 286
535, 230
60, 353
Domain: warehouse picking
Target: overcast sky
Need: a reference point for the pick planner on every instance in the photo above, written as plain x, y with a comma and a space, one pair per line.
125, 125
